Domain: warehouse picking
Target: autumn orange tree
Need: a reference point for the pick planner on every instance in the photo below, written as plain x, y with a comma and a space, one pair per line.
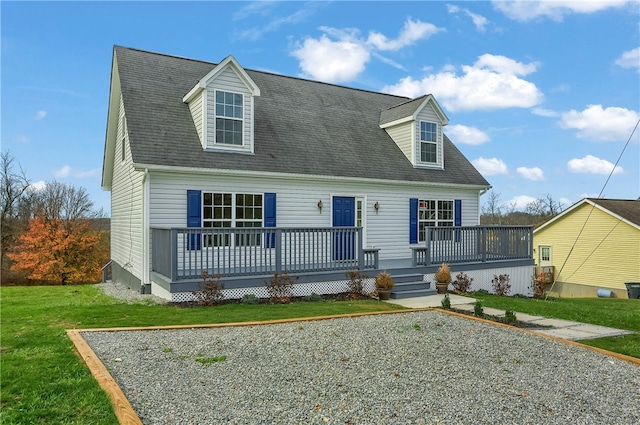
60, 244
64, 251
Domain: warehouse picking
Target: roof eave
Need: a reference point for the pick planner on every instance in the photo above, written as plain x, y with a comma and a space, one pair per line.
297, 176
115, 93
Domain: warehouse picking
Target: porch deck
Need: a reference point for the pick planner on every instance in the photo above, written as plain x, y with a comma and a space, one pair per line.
243, 257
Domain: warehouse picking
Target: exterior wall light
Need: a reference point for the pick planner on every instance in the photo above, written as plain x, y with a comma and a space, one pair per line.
319, 204
376, 207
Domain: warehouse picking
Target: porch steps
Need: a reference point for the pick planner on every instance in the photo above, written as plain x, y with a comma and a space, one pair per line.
410, 286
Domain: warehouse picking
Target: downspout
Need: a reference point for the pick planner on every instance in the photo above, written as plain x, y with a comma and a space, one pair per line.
480, 193
145, 287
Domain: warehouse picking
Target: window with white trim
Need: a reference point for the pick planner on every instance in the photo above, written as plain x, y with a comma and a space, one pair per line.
545, 253
229, 118
428, 142
223, 210
435, 213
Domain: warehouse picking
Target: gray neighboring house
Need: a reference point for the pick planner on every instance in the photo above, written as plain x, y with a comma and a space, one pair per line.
243, 173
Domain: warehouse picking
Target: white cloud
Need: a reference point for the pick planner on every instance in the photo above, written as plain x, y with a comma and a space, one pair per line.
534, 174
264, 9
62, 172
565, 202
608, 124
67, 171
411, 32
39, 185
340, 55
630, 59
490, 166
40, 115
461, 134
493, 82
592, 165
553, 9
479, 21
520, 202
545, 112
332, 61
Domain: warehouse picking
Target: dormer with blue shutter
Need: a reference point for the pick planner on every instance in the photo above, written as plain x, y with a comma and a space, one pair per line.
416, 127
222, 108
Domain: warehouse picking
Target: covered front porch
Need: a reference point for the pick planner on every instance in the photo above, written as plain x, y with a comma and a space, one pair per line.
246, 257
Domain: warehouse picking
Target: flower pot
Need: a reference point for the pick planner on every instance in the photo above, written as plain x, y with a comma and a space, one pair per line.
442, 287
384, 294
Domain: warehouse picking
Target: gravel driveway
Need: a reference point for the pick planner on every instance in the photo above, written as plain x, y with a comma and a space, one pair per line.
408, 368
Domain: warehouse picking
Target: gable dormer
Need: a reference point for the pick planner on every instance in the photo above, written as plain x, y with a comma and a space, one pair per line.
416, 127
222, 108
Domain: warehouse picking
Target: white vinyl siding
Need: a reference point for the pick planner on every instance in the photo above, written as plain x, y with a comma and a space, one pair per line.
228, 81
297, 203
195, 106
126, 207
428, 115
401, 135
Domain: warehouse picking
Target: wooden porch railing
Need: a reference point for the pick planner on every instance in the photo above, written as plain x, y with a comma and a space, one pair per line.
474, 244
183, 253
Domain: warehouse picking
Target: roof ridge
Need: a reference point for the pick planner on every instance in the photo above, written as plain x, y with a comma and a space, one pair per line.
408, 101
271, 73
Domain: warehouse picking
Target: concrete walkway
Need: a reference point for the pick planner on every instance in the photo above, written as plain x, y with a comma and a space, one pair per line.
573, 331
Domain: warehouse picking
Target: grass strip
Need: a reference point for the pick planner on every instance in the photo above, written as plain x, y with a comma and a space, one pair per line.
610, 312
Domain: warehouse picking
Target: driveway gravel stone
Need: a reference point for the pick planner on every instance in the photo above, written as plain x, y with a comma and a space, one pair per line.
408, 368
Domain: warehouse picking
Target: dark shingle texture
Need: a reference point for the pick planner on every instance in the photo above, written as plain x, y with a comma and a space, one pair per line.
625, 208
301, 126
400, 111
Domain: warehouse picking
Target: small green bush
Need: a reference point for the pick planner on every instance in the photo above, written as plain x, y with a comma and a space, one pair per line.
446, 302
250, 299
314, 297
510, 317
478, 311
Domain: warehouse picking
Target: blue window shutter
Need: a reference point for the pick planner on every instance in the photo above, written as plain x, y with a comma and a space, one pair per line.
457, 212
270, 218
413, 220
457, 217
194, 216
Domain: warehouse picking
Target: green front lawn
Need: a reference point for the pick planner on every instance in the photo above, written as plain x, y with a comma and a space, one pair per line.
610, 312
45, 382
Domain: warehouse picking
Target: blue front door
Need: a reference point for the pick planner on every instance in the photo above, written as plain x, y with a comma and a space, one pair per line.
344, 216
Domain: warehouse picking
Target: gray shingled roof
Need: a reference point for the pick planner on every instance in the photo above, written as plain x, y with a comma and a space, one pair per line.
403, 110
301, 126
625, 208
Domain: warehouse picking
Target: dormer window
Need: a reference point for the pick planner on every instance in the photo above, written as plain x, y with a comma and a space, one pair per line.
416, 127
428, 142
229, 118
222, 107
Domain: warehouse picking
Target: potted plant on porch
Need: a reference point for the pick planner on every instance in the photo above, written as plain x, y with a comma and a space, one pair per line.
443, 278
384, 285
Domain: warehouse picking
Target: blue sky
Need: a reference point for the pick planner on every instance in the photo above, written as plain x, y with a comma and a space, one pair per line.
541, 96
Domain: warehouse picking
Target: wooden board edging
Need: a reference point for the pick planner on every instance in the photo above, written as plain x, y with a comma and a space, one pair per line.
126, 414
121, 406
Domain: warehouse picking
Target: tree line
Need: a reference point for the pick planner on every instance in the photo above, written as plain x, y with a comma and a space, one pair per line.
535, 213
49, 235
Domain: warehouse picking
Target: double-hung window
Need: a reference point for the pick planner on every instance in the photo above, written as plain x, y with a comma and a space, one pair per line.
229, 118
428, 142
223, 210
434, 213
